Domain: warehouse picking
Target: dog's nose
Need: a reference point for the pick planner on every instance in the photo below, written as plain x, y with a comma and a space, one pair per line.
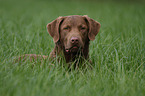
74, 40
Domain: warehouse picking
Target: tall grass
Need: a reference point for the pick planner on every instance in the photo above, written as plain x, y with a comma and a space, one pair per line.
118, 52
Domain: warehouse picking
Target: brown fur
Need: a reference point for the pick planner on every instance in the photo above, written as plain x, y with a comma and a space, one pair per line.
63, 29
71, 35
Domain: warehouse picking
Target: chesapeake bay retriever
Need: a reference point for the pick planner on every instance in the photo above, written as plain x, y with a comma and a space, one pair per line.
71, 35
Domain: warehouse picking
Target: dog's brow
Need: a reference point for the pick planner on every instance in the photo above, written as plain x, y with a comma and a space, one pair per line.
82, 25
66, 25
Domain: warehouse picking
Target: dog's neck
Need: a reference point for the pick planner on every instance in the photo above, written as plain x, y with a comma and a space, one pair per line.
69, 56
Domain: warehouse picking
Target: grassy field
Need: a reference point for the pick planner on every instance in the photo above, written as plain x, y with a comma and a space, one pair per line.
118, 52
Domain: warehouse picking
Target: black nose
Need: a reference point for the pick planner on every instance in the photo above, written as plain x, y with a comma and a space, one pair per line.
74, 40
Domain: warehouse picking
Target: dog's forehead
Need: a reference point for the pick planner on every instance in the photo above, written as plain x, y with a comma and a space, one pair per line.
74, 20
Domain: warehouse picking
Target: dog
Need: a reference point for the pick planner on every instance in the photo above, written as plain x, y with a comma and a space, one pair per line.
71, 35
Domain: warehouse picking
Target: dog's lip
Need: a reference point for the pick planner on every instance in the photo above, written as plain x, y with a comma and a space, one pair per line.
73, 47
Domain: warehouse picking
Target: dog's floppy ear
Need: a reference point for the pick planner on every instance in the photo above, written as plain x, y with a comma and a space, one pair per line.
53, 28
94, 27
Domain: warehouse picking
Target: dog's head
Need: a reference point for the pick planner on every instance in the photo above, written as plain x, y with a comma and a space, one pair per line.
73, 31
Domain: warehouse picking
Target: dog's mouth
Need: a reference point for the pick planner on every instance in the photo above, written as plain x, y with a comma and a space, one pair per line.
73, 49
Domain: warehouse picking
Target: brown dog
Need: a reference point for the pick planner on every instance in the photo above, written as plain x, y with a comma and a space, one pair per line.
71, 35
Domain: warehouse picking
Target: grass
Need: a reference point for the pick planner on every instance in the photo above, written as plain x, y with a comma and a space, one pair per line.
118, 52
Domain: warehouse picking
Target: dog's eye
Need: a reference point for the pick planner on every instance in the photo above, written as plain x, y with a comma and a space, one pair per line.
66, 28
83, 28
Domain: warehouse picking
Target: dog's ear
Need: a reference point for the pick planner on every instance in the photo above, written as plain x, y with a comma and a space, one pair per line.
53, 28
94, 27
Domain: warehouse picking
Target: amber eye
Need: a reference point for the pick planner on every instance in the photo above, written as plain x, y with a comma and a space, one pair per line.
66, 28
82, 28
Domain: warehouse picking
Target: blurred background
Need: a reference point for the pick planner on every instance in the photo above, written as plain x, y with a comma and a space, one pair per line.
117, 53
28, 18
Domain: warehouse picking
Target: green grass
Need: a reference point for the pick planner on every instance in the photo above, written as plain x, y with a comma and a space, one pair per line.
118, 52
